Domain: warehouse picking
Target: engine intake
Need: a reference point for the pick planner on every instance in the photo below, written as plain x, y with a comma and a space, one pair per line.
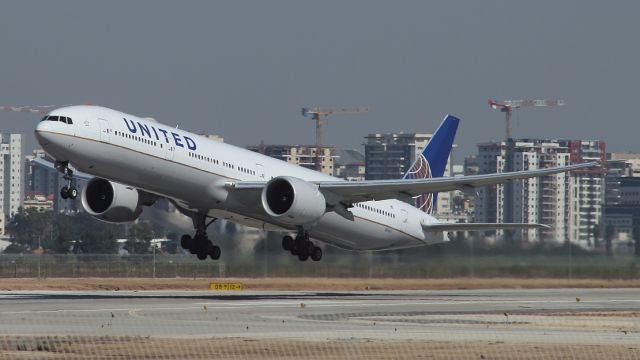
110, 201
293, 201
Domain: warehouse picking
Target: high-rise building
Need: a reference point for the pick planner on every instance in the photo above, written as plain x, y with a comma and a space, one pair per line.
11, 177
570, 203
535, 200
350, 165
587, 192
622, 199
302, 155
616, 171
622, 212
390, 156
631, 163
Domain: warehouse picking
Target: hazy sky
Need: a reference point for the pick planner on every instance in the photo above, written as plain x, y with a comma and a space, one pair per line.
243, 69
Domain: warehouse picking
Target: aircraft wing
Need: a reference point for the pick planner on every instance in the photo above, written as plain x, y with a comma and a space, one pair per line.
348, 192
480, 226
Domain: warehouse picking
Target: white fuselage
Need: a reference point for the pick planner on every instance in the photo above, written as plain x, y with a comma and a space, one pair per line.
192, 171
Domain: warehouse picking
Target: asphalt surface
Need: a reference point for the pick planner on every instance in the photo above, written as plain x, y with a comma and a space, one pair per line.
589, 316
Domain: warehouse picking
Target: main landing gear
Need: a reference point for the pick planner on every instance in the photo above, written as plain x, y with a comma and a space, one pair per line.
69, 191
302, 247
199, 244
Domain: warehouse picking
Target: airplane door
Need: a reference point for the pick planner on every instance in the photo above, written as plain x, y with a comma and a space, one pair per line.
169, 150
260, 171
404, 218
104, 130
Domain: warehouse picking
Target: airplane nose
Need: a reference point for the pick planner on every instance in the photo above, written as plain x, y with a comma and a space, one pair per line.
43, 131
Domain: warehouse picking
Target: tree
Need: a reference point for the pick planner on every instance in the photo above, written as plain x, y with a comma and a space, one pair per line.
596, 235
95, 236
59, 232
271, 242
139, 238
30, 226
636, 239
609, 233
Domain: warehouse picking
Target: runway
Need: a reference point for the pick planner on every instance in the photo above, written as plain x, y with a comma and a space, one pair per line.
577, 316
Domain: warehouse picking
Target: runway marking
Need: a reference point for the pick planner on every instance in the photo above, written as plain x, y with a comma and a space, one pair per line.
318, 304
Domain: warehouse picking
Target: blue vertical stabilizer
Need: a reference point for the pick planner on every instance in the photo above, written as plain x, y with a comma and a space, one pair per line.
433, 160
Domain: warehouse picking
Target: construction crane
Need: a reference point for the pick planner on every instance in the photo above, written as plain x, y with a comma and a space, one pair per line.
318, 115
507, 107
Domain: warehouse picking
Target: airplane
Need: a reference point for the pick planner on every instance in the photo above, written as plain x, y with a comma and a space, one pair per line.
136, 161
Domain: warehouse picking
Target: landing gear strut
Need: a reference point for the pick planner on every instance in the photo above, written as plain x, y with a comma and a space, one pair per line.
302, 247
199, 244
69, 191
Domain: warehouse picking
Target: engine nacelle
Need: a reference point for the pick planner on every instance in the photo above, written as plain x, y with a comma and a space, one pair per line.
293, 201
110, 201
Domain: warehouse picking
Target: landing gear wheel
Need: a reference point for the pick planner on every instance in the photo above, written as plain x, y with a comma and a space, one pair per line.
198, 246
316, 254
287, 243
68, 191
72, 192
302, 247
204, 246
186, 242
308, 247
64, 192
215, 252
194, 248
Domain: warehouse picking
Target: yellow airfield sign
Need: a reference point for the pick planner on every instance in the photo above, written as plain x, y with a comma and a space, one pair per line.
225, 286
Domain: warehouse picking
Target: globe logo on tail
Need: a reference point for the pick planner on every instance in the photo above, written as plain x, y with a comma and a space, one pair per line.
421, 170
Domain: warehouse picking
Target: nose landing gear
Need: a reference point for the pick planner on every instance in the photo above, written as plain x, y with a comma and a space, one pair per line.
69, 191
302, 247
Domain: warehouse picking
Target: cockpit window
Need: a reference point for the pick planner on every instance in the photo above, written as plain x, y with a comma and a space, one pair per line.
64, 119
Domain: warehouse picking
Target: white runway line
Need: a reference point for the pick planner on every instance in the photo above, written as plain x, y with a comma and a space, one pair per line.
315, 304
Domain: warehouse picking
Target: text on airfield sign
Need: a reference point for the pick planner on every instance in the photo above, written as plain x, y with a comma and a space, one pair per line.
225, 286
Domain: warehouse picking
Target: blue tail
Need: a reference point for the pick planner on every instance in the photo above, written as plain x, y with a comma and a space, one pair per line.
433, 160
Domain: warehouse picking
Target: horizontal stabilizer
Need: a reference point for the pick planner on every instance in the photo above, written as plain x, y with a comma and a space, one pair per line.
480, 226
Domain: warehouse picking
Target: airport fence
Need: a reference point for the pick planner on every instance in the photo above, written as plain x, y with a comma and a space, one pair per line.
358, 266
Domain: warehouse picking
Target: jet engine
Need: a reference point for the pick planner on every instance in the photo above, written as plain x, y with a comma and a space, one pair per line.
293, 201
110, 201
